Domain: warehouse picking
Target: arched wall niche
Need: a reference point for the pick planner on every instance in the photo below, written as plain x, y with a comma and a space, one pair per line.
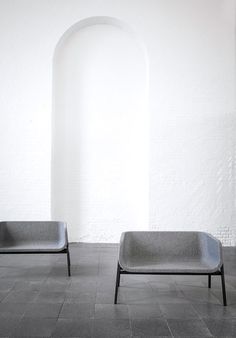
100, 131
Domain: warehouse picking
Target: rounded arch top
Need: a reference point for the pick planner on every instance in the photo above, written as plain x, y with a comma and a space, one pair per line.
102, 20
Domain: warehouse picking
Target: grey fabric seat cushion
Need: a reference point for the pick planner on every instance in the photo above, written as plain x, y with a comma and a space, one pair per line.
33, 236
170, 252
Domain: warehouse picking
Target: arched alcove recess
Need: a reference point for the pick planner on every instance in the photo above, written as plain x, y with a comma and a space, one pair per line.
100, 131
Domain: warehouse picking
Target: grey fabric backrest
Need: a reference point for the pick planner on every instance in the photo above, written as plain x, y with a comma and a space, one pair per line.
49, 232
153, 244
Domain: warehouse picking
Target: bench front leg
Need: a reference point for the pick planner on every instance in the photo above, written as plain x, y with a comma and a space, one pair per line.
117, 282
223, 285
68, 261
209, 281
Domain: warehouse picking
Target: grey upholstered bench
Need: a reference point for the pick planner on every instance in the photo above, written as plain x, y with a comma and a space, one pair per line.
170, 253
34, 238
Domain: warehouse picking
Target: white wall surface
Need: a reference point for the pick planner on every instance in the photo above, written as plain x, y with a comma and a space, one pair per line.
191, 51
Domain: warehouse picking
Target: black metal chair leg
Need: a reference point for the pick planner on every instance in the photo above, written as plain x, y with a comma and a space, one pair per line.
209, 281
68, 262
117, 282
223, 285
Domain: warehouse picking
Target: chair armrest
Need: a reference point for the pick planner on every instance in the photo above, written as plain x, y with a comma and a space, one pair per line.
63, 235
122, 250
211, 249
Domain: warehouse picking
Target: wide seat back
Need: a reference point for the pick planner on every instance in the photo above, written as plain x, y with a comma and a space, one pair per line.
12, 233
166, 244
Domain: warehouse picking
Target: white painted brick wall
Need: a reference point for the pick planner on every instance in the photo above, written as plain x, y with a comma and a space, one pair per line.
191, 50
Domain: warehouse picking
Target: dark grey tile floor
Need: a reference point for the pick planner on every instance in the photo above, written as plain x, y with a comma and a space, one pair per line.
37, 299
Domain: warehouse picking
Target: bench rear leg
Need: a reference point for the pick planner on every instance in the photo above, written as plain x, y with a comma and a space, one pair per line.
209, 281
117, 282
68, 261
223, 285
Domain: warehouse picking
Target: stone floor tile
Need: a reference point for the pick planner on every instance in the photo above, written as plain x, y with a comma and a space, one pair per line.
12, 309
188, 327
80, 310
20, 297
73, 328
80, 297
7, 325
214, 311
179, 311
144, 311
201, 295
34, 327
221, 327
50, 297
150, 327
111, 311
43, 310
104, 328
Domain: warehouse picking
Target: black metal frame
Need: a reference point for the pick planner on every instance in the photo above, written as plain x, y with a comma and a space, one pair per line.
220, 272
66, 251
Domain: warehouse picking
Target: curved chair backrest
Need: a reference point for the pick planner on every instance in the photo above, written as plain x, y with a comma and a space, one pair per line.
166, 244
14, 232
